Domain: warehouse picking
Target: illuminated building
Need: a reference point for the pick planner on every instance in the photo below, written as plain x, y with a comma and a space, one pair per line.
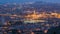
33, 18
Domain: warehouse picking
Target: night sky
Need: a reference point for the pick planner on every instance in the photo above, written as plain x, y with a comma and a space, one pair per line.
21, 1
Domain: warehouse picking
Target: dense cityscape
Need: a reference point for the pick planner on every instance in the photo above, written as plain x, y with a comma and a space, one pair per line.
29, 18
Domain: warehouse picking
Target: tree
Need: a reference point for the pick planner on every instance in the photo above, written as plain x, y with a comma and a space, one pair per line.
54, 30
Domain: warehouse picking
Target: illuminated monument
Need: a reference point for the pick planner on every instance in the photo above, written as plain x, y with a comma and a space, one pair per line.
33, 18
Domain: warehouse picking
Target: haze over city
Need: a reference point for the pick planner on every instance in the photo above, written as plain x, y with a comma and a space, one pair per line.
22, 1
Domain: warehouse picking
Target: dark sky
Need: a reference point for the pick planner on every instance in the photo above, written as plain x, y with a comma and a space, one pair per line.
20, 1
